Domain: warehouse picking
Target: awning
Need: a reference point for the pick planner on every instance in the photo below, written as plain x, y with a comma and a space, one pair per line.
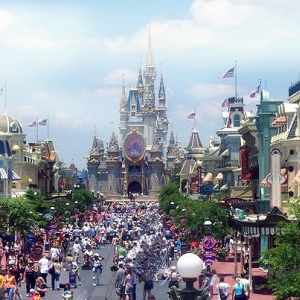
208, 177
279, 121
12, 175
3, 174
219, 176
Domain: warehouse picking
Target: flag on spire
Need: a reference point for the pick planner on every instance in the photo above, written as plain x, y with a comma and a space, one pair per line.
229, 73
191, 116
42, 122
255, 91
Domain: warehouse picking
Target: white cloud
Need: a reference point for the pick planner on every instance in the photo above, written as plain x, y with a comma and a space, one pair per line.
5, 19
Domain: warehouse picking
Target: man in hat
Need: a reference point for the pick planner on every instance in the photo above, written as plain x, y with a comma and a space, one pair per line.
97, 268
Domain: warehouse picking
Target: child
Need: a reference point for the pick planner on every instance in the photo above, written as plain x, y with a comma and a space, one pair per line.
34, 295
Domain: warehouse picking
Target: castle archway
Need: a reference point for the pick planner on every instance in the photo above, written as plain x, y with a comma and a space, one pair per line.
134, 187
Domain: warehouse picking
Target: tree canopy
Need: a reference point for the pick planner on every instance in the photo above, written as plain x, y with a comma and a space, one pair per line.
284, 259
190, 215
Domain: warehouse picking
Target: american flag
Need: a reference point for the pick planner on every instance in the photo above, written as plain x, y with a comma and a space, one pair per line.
254, 92
42, 122
33, 124
191, 116
229, 73
225, 102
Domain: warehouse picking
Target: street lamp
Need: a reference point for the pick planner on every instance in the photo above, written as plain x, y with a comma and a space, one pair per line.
189, 266
207, 226
208, 243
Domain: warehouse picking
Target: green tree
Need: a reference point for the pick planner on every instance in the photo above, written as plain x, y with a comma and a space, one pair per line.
4, 214
21, 217
39, 206
190, 214
84, 198
284, 259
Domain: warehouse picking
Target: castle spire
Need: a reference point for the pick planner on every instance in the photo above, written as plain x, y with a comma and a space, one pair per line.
123, 97
150, 58
161, 93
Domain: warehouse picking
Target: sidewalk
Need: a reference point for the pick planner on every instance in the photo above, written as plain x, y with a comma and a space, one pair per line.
226, 269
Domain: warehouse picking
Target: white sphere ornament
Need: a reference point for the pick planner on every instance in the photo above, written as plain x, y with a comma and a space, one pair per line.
189, 265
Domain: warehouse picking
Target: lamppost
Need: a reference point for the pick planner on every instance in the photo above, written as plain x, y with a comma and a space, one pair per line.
208, 243
189, 266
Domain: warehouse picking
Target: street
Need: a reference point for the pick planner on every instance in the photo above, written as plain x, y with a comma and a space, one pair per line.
106, 290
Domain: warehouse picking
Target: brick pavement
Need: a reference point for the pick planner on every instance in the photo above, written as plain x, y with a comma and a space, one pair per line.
226, 269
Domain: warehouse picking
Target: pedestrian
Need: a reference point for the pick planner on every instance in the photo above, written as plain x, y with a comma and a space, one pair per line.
135, 280
246, 258
43, 265
10, 284
97, 268
41, 286
246, 283
213, 281
238, 291
74, 274
128, 281
222, 289
119, 280
30, 276
56, 266
148, 283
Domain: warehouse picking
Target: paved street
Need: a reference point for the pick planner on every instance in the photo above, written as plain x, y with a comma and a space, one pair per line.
105, 291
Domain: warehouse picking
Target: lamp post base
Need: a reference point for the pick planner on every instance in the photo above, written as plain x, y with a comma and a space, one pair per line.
189, 292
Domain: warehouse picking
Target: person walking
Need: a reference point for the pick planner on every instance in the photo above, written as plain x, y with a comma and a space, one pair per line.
56, 266
30, 275
43, 265
128, 281
10, 284
148, 284
238, 291
97, 268
246, 283
223, 289
119, 281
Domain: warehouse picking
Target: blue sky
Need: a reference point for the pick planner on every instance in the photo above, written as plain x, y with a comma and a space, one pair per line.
67, 59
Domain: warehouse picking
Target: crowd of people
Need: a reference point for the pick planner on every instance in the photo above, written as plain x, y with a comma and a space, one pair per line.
145, 247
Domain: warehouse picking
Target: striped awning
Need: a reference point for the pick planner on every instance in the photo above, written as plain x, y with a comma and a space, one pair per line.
12, 175
3, 174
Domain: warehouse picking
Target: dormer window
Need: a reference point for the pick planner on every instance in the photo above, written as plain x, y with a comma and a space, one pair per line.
236, 120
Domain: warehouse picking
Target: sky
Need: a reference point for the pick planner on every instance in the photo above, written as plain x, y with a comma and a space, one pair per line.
66, 61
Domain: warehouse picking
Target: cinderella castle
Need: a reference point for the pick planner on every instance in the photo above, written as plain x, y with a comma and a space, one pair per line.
142, 159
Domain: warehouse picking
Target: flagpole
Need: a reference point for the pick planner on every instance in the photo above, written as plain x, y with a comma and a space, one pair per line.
195, 118
37, 130
5, 95
235, 80
47, 127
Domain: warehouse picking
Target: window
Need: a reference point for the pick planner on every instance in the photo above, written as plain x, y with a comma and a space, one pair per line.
236, 120
2, 148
